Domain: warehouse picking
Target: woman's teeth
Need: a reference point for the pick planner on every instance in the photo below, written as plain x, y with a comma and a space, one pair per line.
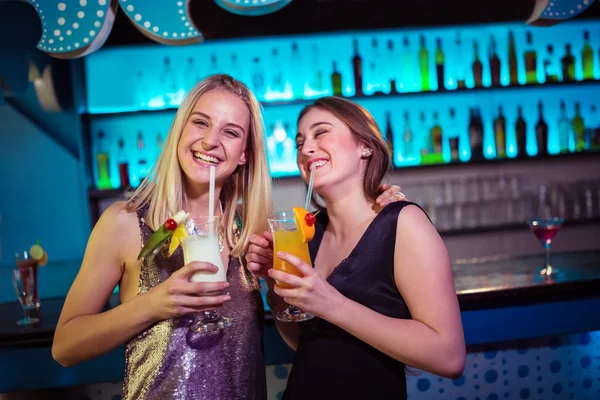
206, 158
319, 163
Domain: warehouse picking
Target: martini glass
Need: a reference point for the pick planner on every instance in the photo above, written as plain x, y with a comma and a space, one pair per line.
546, 229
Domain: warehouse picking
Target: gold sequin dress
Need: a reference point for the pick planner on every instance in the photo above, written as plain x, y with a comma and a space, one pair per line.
169, 361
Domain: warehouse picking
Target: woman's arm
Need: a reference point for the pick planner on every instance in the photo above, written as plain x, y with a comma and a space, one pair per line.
433, 339
83, 332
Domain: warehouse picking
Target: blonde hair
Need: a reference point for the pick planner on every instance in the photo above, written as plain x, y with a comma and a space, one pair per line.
163, 190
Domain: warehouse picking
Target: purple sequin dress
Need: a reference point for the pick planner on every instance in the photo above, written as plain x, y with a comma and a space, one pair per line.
169, 361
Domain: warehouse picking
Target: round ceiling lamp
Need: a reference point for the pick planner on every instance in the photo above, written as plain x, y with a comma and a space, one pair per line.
252, 7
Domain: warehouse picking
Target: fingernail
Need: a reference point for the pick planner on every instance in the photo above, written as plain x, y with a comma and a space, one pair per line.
226, 298
226, 284
279, 253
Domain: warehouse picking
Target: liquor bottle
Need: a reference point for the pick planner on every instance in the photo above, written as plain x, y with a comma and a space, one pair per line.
551, 68
564, 129
191, 77
143, 167
258, 81
593, 138
409, 75
425, 138
579, 129
391, 67
271, 143
460, 74
500, 134
214, 65
453, 135
530, 61
439, 65
276, 84
298, 72
357, 69
475, 135
389, 137
374, 76
102, 163
234, 69
141, 89
590, 124
521, 133
424, 65
494, 63
436, 134
568, 65
280, 135
123, 165
541, 132
477, 66
587, 57
168, 83
289, 148
409, 151
513, 68
317, 72
336, 81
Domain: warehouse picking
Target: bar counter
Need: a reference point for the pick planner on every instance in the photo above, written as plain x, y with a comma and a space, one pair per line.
501, 299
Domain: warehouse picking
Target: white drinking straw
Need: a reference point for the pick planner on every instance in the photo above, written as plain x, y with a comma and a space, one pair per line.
211, 202
313, 167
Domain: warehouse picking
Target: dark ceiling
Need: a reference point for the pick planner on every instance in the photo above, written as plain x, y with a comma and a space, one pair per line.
306, 16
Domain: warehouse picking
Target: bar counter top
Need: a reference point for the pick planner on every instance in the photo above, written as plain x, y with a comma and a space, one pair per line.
480, 284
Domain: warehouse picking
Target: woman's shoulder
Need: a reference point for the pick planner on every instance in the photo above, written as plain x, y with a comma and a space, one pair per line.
119, 217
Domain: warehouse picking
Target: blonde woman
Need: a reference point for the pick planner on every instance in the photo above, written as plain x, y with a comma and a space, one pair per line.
219, 123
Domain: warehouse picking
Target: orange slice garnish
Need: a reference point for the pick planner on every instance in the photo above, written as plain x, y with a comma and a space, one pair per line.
307, 231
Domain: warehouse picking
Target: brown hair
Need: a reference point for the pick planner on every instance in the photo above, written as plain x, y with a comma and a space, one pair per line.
363, 127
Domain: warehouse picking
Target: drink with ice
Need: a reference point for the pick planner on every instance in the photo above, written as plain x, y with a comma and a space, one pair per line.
289, 241
201, 244
205, 249
291, 234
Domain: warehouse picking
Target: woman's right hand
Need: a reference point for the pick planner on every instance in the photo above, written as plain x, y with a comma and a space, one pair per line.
260, 255
178, 296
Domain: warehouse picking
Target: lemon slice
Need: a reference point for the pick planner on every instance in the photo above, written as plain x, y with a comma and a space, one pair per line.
178, 235
37, 252
306, 231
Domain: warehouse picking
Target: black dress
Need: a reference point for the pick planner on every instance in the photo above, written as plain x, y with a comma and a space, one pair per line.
330, 363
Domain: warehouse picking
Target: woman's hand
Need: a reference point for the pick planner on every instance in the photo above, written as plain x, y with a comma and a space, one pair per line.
178, 296
390, 194
312, 293
259, 257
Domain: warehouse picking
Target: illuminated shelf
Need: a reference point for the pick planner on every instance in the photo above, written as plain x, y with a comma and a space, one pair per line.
436, 93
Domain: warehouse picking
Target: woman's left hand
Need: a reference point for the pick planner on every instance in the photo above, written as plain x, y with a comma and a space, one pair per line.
312, 293
390, 194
